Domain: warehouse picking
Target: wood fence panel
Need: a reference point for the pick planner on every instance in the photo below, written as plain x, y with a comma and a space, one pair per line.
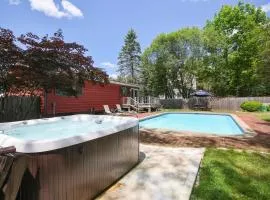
227, 103
15, 108
172, 103
233, 103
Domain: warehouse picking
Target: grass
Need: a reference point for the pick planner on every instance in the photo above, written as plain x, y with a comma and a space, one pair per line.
230, 174
264, 116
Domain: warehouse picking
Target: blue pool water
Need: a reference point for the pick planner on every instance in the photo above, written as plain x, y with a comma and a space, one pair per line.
54, 130
201, 123
62, 127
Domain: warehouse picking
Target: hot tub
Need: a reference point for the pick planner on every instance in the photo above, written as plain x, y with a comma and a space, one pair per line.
73, 157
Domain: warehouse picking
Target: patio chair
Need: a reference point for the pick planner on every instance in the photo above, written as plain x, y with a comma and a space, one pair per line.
108, 111
118, 108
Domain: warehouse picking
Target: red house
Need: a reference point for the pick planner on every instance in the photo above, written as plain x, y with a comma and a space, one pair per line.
91, 98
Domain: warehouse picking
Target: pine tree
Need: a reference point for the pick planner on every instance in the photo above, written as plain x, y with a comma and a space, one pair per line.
129, 58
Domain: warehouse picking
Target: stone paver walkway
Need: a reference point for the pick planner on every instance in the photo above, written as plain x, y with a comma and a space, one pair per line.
165, 173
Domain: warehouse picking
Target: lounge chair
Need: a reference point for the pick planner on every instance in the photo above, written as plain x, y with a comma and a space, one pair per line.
124, 112
119, 109
108, 111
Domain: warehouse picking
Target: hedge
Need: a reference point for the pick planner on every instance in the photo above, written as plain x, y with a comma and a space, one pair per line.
251, 106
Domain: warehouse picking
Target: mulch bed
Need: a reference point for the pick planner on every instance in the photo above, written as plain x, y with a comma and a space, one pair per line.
259, 142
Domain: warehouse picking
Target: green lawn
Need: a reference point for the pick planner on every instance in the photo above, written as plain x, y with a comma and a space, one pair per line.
229, 174
264, 116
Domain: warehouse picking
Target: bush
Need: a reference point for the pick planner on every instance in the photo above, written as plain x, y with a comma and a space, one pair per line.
263, 108
251, 106
268, 108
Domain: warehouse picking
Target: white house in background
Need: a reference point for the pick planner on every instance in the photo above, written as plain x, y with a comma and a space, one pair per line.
177, 92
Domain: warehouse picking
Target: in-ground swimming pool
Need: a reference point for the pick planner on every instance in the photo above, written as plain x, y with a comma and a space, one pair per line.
193, 122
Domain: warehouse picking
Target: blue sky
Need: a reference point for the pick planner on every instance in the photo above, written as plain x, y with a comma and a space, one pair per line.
100, 25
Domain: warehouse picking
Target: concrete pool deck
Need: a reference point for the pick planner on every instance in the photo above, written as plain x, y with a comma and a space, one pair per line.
165, 173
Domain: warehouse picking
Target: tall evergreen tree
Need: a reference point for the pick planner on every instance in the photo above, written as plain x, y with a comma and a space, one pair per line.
129, 59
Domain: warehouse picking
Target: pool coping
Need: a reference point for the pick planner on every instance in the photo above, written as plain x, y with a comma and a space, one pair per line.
247, 131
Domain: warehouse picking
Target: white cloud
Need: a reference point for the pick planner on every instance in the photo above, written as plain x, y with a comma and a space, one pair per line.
51, 9
266, 7
48, 7
108, 65
14, 2
71, 9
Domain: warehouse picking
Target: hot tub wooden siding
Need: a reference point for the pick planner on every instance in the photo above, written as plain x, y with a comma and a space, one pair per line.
82, 171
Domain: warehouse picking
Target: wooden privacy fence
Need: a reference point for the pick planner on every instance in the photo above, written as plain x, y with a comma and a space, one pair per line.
172, 103
233, 103
15, 108
226, 103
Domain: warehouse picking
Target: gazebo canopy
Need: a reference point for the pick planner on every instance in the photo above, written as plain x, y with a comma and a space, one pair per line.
201, 93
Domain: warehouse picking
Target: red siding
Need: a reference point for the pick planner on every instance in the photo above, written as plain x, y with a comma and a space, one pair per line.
93, 96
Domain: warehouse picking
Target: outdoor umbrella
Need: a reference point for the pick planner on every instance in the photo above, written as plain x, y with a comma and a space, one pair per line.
201, 93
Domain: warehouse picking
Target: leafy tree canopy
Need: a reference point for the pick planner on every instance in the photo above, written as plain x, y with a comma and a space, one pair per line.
232, 41
229, 56
10, 57
171, 62
47, 63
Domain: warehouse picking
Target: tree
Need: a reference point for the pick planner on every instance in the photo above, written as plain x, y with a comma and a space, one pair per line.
232, 41
129, 59
54, 63
11, 80
171, 63
214, 73
10, 58
264, 62
44, 63
230, 56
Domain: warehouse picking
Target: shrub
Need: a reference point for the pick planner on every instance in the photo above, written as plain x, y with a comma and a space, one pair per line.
268, 108
251, 106
263, 108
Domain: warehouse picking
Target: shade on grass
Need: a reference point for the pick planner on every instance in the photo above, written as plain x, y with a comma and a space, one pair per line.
229, 174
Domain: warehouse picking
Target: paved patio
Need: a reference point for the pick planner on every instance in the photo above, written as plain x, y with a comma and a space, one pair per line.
165, 173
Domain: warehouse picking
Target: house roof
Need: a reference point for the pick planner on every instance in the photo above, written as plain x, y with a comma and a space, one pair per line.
125, 84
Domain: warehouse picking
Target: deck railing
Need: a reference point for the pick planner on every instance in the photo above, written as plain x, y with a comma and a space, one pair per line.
148, 100
141, 103
137, 101
129, 101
